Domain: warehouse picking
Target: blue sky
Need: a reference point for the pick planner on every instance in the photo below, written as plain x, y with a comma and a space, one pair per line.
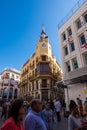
20, 26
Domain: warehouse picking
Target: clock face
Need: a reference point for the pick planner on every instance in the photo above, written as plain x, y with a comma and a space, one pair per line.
43, 44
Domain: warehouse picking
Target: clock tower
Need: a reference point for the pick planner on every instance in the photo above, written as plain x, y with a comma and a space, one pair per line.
41, 71
43, 46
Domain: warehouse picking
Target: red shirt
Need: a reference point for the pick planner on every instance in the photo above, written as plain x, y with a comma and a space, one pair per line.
10, 124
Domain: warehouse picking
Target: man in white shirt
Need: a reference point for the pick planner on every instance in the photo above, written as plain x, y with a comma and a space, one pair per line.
57, 105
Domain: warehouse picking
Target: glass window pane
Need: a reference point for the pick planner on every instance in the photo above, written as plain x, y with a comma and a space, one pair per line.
66, 51
85, 18
79, 24
75, 64
64, 37
44, 83
43, 58
72, 46
68, 67
43, 67
83, 40
85, 59
70, 32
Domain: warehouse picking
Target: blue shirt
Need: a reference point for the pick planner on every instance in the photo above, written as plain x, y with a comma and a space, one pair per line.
33, 121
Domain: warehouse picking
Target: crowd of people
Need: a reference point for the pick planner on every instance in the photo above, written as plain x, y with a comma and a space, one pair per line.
42, 115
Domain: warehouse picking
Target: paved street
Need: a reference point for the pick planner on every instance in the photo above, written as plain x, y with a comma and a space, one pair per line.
59, 126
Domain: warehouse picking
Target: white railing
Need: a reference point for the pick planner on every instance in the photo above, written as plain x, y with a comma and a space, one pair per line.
71, 12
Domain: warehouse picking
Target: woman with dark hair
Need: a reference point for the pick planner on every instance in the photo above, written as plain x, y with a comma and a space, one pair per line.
15, 114
73, 120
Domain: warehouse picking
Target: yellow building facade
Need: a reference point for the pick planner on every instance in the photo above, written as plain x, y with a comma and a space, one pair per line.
40, 72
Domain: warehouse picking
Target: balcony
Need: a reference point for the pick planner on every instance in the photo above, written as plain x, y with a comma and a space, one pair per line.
24, 73
44, 73
32, 77
32, 66
44, 86
6, 76
24, 81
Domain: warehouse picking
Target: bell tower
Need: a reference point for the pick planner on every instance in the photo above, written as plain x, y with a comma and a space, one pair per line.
43, 46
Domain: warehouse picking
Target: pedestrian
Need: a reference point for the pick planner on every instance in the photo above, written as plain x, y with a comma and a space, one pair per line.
8, 104
74, 121
80, 106
4, 110
64, 107
15, 114
52, 104
48, 116
57, 105
85, 102
33, 119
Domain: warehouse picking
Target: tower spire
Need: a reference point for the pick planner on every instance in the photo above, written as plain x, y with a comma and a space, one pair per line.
43, 30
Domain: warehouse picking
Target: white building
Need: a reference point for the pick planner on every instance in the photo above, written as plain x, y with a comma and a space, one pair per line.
73, 44
9, 81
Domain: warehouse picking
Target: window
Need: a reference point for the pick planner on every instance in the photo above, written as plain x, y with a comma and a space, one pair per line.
64, 37
36, 84
82, 40
72, 47
32, 85
36, 59
12, 76
43, 58
33, 73
66, 50
43, 67
79, 24
16, 83
7, 74
68, 66
75, 64
33, 64
5, 84
69, 32
85, 59
17, 77
85, 16
44, 83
